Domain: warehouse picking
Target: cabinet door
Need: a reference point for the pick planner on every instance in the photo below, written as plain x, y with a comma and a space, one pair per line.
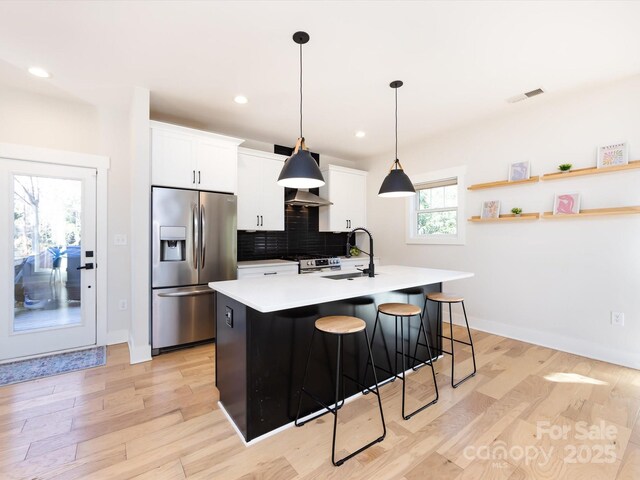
356, 213
172, 159
249, 192
271, 204
217, 166
340, 193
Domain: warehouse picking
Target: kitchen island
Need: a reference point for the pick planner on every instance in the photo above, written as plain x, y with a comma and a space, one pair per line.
264, 328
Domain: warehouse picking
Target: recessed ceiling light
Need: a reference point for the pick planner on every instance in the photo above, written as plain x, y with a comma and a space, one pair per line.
360, 134
241, 99
39, 72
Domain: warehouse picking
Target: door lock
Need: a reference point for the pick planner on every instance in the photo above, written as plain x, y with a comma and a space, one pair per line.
86, 266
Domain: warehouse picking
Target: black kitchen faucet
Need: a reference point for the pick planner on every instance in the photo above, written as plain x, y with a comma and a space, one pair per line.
371, 270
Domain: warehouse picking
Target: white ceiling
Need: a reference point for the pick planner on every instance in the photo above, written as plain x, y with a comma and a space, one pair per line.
459, 61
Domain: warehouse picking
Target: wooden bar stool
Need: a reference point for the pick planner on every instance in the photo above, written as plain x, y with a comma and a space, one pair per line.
339, 326
400, 311
441, 298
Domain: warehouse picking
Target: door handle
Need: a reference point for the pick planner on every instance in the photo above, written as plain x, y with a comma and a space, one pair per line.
261, 221
194, 176
86, 266
257, 220
198, 177
203, 228
188, 294
194, 240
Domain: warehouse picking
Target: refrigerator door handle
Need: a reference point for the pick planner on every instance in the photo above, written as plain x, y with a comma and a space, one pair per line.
194, 240
203, 227
187, 294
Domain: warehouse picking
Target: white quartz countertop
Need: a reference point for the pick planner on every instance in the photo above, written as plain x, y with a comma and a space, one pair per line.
265, 263
275, 293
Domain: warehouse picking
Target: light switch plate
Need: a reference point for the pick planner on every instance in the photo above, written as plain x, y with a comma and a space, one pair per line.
120, 239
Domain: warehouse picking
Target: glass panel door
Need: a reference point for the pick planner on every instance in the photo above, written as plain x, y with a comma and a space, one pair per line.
50, 298
47, 233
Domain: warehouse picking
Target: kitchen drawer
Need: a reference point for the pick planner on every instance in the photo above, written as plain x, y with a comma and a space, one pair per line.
268, 271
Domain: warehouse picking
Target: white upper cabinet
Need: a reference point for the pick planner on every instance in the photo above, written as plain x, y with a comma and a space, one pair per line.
186, 158
347, 189
260, 198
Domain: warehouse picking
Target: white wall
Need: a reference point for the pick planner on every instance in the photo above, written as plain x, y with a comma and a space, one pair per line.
140, 189
49, 122
551, 282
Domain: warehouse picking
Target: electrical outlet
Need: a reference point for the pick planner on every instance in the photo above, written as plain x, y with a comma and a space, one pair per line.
617, 319
228, 314
122, 304
120, 239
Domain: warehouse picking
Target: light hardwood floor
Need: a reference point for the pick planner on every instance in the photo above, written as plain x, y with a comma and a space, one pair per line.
160, 420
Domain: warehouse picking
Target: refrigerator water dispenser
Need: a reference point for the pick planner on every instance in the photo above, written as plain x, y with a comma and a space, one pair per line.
172, 244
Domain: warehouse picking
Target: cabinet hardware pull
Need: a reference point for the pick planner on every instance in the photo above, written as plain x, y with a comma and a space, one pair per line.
198, 177
257, 220
270, 273
261, 221
194, 177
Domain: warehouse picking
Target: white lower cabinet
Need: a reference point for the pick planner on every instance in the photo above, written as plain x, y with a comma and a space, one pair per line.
260, 198
346, 188
267, 270
353, 264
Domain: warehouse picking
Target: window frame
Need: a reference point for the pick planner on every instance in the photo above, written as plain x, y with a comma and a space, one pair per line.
412, 209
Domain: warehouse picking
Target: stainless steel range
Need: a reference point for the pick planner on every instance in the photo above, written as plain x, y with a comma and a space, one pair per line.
316, 263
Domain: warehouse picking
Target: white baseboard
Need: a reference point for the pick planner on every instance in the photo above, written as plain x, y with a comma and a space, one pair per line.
584, 348
138, 353
117, 336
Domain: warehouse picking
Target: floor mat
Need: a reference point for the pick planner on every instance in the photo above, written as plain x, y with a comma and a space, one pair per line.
24, 370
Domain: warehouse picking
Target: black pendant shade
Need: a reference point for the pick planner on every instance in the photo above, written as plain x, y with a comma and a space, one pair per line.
300, 170
396, 183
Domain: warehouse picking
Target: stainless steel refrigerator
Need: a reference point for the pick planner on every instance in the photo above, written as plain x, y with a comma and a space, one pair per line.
193, 243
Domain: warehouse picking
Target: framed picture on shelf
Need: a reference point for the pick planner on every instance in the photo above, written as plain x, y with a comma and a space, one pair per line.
519, 171
566, 204
612, 155
490, 209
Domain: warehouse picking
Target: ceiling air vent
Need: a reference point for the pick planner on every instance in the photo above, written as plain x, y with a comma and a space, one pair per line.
523, 96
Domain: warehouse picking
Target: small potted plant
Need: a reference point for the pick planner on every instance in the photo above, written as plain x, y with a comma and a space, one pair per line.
564, 167
516, 211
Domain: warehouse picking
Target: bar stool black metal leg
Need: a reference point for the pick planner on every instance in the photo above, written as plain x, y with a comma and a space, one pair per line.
386, 351
473, 354
430, 362
335, 416
404, 383
337, 463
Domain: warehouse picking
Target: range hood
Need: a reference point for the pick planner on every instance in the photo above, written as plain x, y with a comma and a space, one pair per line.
305, 198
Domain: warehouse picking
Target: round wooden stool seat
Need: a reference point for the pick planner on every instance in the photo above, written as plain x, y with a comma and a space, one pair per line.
340, 324
400, 309
444, 297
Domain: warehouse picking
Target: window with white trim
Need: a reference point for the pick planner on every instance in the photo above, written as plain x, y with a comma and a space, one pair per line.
435, 213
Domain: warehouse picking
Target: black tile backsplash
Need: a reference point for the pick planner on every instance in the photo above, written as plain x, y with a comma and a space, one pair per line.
300, 236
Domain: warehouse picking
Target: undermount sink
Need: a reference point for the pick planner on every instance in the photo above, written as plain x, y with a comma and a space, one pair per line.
348, 276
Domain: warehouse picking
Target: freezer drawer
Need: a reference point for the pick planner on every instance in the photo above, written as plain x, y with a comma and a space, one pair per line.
182, 315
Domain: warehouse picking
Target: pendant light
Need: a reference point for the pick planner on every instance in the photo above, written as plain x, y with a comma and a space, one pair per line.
300, 170
396, 183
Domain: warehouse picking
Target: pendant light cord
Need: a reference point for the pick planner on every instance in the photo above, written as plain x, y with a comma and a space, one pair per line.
301, 91
396, 159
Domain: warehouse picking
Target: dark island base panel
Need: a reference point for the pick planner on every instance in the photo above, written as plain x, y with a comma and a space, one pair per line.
260, 357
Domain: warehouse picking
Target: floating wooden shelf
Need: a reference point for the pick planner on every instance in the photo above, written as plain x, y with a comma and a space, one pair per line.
594, 212
503, 183
510, 217
590, 171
